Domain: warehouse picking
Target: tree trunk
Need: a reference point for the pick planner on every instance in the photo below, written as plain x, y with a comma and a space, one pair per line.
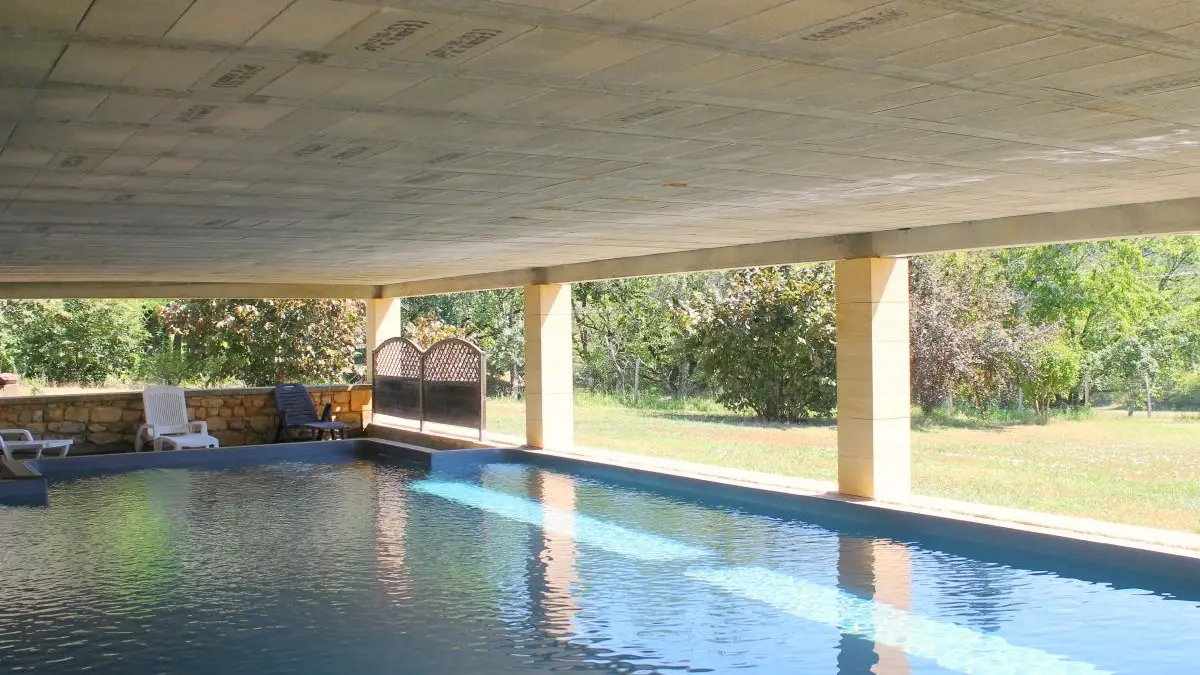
1020, 398
637, 379
1149, 399
1087, 390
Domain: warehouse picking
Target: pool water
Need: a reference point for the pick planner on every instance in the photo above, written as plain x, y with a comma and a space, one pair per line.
370, 567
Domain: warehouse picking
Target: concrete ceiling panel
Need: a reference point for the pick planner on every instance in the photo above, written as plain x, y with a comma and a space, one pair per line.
311, 24
170, 69
27, 63
85, 63
226, 21
238, 76
628, 10
706, 15
27, 15
142, 18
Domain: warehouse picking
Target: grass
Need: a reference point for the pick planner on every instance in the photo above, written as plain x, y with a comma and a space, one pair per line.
1111, 467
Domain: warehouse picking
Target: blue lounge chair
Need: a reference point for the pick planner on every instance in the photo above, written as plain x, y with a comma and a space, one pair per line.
296, 411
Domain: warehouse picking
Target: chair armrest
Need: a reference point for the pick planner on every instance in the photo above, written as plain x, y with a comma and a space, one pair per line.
327, 413
199, 427
22, 433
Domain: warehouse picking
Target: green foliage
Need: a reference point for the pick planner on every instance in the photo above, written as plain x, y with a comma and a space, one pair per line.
264, 342
1128, 304
1055, 370
72, 341
1183, 393
631, 337
427, 329
1130, 367
767, 342
967, 334
494, 320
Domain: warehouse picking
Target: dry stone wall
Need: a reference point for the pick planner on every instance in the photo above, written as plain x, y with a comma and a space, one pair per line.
108, 422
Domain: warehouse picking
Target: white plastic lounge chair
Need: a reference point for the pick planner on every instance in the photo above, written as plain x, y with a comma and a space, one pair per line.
167, 426
25, 443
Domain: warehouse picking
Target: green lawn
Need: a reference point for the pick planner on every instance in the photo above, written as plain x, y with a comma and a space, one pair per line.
1134, 471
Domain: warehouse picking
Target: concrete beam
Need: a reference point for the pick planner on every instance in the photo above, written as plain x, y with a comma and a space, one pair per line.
143, 289
463, 284
1178, 216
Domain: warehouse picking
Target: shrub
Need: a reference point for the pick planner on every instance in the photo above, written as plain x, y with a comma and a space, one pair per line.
767, 342
264, 342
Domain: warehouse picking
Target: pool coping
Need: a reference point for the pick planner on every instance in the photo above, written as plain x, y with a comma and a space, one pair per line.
1004, 516
1063, 525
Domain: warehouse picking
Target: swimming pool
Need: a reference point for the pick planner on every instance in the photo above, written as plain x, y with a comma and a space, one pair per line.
367, 565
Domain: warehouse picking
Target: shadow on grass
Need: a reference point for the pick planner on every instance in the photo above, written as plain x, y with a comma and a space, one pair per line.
940, 419
733, 419
920, 422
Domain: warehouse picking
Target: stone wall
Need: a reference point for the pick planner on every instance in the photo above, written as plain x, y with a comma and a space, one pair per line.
108, 422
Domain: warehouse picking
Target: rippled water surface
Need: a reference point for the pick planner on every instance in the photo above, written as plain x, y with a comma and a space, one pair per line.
364, 567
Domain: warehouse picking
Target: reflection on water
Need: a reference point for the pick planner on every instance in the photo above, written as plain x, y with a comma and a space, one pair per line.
873, 570
558, 555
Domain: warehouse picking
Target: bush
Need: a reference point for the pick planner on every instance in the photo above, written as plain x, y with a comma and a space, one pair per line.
262, 342
1055, 370
1183, 393
768, 342
83, 341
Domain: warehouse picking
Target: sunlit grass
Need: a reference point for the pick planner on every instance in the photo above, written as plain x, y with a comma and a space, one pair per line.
1106, 466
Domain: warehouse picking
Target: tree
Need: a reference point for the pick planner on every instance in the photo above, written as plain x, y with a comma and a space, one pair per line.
967, 332
1121, 302
767, 342
427, 329
1054, 370
1132, 369
631, 335
64, 341
264, 342
492, 319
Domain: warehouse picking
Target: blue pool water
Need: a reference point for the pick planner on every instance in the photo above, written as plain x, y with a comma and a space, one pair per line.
369, 567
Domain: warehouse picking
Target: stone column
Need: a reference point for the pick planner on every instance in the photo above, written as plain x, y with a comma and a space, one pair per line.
873, 378
549, 386
383, 323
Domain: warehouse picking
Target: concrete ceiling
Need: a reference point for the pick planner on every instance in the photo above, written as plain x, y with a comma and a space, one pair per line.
319, 141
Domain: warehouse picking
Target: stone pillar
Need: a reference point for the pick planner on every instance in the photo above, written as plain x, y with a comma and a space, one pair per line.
549, 386
873, 378
383, 323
